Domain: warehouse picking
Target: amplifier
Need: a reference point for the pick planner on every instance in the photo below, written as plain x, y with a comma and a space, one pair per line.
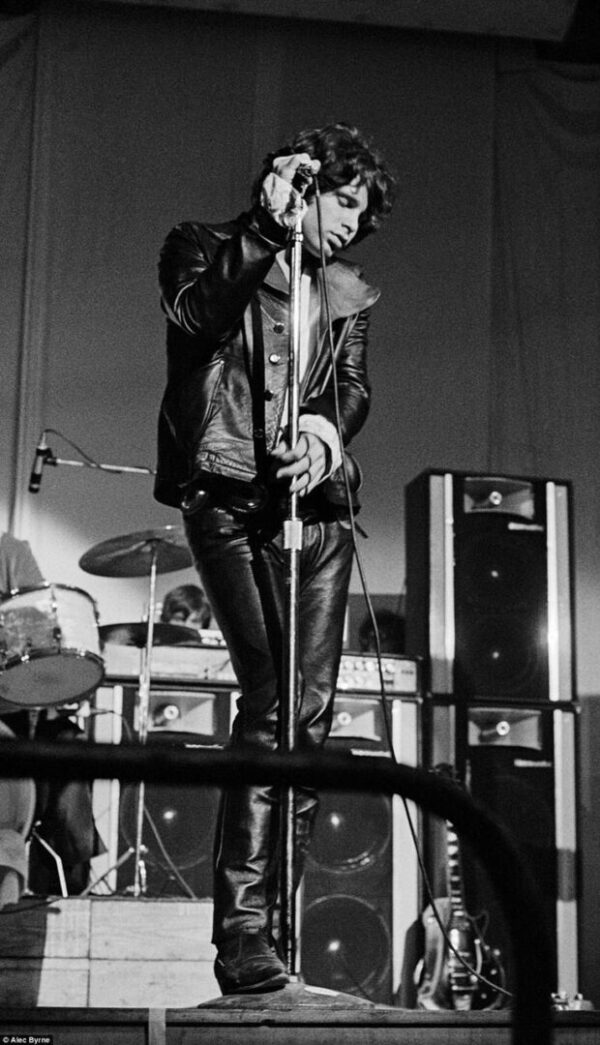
211, 664
359, 672
184, 664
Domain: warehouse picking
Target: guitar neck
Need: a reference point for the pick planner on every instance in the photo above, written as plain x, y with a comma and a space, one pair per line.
454, 873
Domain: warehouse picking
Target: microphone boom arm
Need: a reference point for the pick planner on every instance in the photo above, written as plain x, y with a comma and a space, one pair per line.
116, 468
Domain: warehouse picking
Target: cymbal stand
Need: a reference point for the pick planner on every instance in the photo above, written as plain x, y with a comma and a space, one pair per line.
143, 708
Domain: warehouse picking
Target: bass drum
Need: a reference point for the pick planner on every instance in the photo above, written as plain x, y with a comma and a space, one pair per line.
49, 647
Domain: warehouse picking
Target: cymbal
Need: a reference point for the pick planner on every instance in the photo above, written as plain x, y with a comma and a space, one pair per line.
131, 555
135, 633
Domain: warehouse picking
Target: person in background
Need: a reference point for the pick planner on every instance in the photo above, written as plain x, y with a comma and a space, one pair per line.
63, 811
18, 567
187, 605
390, 627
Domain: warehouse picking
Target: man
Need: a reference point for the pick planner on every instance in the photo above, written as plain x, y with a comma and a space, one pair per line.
187, 604
225, 459
390, 631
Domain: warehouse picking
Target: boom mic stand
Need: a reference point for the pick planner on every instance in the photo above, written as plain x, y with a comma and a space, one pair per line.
118, 469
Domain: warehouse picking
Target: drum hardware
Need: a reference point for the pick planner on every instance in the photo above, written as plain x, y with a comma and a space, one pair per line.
33, 717
60, 870
124, 857
135, 633
134, 554
148, 552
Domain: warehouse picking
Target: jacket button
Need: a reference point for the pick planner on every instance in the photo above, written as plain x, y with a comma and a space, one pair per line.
278, 328
274, 358
268, 395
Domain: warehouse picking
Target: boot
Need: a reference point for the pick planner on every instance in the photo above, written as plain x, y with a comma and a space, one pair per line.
248, 963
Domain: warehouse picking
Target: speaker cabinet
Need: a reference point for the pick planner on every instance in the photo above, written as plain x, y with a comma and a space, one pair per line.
520, 765
489, 600
179, 822
361, 883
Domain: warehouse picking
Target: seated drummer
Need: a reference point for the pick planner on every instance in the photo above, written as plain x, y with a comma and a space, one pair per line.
187, 605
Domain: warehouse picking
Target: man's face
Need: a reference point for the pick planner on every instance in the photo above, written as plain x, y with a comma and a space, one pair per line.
191, 618
341, 209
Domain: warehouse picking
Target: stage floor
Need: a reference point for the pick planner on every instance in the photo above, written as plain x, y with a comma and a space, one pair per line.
286, 1023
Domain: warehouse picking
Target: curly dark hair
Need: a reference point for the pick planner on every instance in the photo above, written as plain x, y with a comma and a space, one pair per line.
344, 154
186, 599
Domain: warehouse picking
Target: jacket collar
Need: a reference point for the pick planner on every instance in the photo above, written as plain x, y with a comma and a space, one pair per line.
349, 293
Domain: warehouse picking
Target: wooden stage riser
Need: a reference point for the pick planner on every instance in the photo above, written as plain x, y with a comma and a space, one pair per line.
135, 1027
107, 953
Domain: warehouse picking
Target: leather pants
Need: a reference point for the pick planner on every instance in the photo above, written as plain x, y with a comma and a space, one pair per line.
243, 571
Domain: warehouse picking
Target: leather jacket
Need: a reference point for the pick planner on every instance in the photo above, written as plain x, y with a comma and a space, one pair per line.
222, 407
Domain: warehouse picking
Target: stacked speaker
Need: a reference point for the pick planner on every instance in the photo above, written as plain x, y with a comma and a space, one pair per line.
360, 895
489, 609
179, 822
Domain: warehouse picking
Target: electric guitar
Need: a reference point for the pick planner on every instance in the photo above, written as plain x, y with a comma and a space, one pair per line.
443, 981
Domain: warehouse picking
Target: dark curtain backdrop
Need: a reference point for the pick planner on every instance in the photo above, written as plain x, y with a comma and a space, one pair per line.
545, 332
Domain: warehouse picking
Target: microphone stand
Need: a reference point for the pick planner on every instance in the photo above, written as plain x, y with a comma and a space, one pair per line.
292, 547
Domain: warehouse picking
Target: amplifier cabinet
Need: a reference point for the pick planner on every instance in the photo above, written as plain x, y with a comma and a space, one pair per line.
360, 896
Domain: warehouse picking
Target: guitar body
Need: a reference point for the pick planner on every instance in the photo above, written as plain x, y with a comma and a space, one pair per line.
459, 970
431, 974
444, 982
490, 997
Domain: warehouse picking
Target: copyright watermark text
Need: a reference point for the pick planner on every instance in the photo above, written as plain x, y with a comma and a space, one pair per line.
26, 1039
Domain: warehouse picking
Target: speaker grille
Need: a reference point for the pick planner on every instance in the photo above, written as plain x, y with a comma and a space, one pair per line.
346, 945
501, 612
350, 835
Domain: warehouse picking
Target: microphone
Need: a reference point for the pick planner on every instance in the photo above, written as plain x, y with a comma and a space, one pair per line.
41, 455
303, 177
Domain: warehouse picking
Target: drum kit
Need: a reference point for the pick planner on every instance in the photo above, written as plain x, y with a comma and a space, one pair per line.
51, 642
